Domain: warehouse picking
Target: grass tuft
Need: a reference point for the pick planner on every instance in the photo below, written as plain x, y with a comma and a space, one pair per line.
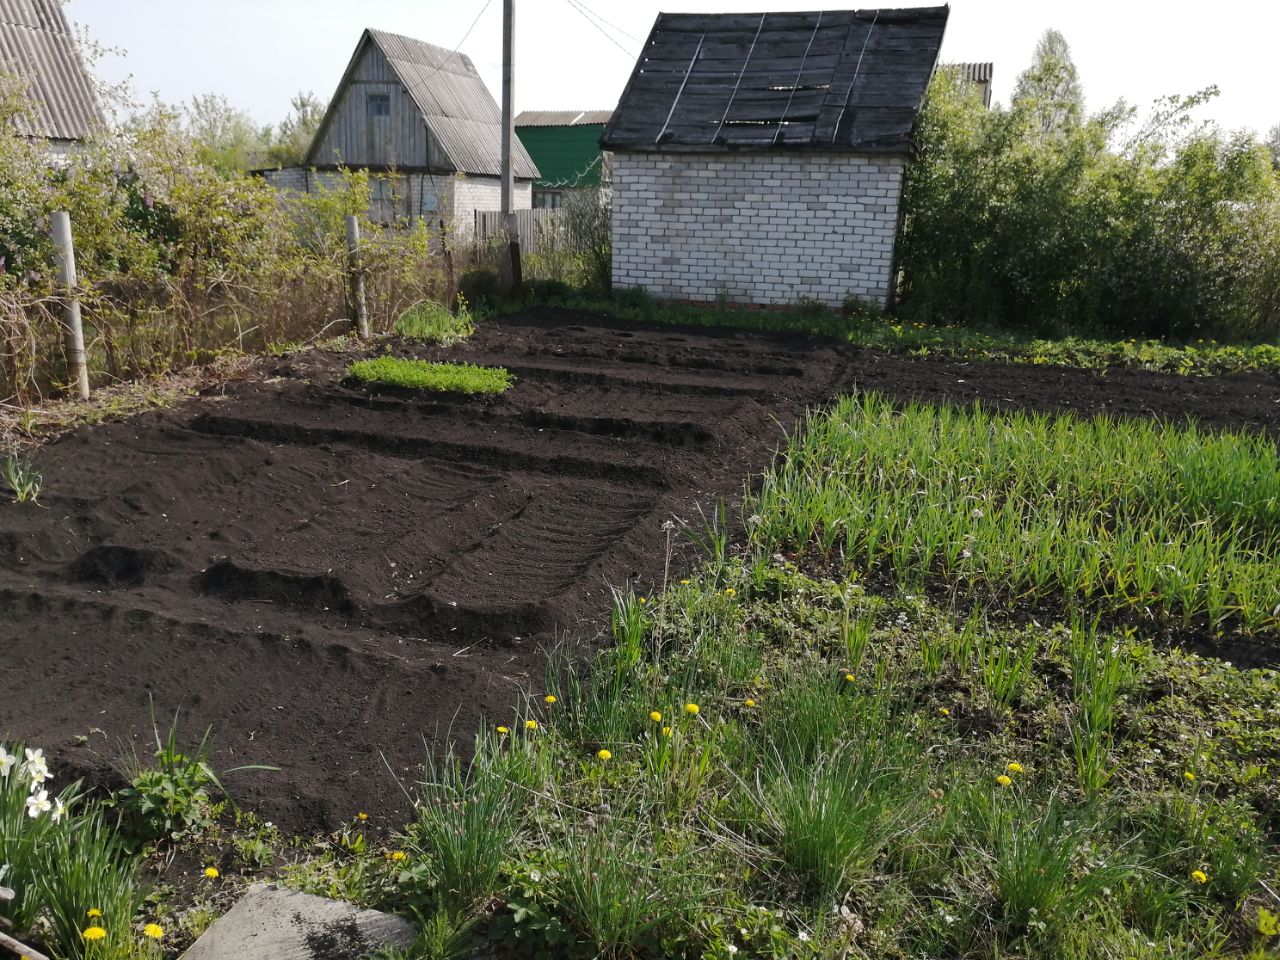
422, 375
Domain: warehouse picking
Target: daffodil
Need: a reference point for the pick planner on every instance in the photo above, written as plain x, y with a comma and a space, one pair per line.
1014, 767
691, 709
531, 724
1199, 876
212, 873
38, 803
549, 699
655, 716
153, 931
37, 768
1004, 781
604, 755
7, 761
59, 810
93, 933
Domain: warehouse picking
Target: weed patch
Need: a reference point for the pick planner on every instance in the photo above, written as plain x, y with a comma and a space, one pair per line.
421, 375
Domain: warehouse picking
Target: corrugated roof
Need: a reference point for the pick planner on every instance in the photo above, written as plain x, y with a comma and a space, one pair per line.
831, 80
458, 108
975, 72
36, 44
561, 118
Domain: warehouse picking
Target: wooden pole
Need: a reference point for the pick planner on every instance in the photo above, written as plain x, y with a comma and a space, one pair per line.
355, 277
17, 946
508, 140
65, 256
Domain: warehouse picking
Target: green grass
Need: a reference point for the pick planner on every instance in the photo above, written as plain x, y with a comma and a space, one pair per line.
1167, 524
422, 375
434, 323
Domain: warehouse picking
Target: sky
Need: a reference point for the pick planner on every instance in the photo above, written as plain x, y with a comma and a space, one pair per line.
577, 54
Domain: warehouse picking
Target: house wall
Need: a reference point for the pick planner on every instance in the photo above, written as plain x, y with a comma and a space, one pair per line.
484, 193
759, 227
355, 139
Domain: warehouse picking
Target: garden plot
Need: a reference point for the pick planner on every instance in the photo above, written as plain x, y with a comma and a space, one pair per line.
327, 572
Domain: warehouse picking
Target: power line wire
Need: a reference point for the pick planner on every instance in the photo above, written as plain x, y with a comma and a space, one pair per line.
582, 4
608, 36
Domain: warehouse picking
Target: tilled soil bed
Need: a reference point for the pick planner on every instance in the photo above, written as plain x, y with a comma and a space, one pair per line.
328, 574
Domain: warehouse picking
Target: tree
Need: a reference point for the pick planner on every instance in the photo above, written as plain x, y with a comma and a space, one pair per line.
1049, 90
293, 137
226, 138
1273, 144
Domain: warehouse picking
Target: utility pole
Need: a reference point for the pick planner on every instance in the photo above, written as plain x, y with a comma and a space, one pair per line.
508, 139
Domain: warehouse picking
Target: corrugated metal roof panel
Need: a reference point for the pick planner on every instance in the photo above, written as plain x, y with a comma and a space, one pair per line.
459, 109
36, 44
975, 72
847, 80
561, 118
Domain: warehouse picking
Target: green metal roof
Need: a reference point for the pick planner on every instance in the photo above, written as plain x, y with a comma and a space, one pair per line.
567, 156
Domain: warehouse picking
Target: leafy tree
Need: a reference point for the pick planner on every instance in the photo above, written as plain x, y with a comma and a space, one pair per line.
293, 137
1273, 144
1050, 88
226, 138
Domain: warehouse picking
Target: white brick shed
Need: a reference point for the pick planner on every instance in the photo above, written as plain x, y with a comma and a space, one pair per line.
760, 157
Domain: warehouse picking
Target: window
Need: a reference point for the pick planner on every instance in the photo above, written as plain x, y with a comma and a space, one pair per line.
384, 204
379, 104
546, 199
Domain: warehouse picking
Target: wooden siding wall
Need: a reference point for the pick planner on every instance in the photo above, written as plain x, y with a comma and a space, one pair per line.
358, 140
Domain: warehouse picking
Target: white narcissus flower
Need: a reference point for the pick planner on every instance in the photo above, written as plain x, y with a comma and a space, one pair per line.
38, 803
7, 760
36, 767
59, 810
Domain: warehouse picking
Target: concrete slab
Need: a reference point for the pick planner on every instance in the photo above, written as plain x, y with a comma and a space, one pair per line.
270, 923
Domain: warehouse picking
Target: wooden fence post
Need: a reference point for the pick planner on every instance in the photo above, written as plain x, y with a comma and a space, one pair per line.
65, 255
356, 277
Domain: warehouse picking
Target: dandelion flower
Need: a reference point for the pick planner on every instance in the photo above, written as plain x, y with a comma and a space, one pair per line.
655, 716
684, 582
362, 816
1188, 776
397, 856
642, 601
691, 709
944, 711
1199, 876
153, 930
531, 724
93, 933
1268, 923
503, 730
666, 731
1014, 767
849, 678
1004, 781
95, 912
549, 699
730, 592
748, 702
604, 754
212, 873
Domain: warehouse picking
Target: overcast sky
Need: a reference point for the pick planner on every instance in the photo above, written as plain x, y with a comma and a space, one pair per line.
260, 52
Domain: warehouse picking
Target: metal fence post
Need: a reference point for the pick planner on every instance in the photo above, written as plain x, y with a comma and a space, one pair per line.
356, 277
65, 255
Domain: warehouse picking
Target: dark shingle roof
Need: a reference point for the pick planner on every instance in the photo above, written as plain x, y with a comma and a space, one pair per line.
833, 80
37, 45
561, 118
458, 108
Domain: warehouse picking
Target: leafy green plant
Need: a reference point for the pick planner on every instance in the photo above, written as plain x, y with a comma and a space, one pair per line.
20, 476
435, 323
421, 375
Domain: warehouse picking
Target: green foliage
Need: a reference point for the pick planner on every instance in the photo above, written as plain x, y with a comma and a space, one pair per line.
1035, 218
1125, 517
435, 323
22, 479
421, 375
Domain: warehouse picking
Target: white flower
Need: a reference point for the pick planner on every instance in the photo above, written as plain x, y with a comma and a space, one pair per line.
38, 803
803, 936
535, 876
59, 810
36, 766
976, 513
7, 760
732, 949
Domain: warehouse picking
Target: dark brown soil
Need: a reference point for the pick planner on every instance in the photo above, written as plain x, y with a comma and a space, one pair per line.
329, 574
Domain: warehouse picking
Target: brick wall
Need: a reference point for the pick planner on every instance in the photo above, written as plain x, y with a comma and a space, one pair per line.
484, 193
760, 227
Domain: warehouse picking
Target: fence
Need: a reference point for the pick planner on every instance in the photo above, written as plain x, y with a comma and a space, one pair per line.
536, 227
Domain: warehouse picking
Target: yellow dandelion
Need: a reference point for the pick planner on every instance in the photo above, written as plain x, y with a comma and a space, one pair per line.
684, 582
549, 699
93, 933
398, 856
1268, 923
362, 816
531, 724
1199, 876
503, 730
1188, 776
944, 711
1004, 781
849, 678
604, 755
748, 702
95, 912
730, 592
666, 731
655, 716
1014, 767
212, 873
691, 709
153, 930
